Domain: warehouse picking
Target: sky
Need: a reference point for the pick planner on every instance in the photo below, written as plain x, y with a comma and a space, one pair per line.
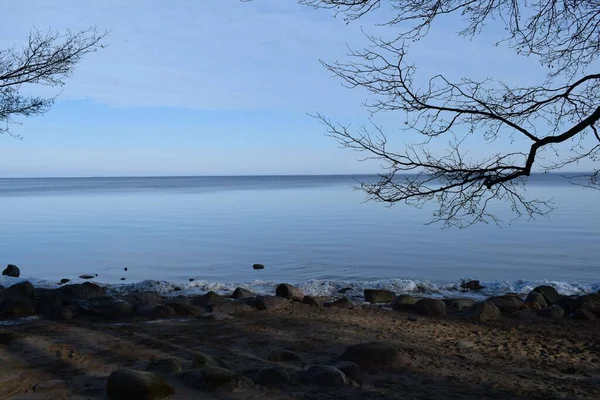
215, 87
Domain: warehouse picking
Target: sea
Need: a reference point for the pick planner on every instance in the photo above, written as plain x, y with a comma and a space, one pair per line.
194, 234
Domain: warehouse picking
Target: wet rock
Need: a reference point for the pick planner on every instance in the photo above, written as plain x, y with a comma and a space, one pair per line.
472, 285
431, 307
271, 376
350, 369
12, 270
553, 312
589, 302
270, 302
87, 276
127, 384
288, 291
310, 301
258, 266
459, 304
550, 294
534, 298
344, 290
64, 280
583, 314
379, 296
16, 307
112, 308
21, 289
212, 378
372, 354
162, 312
324, 375
240, 293
282, 355
81, 291
165, 366
203, 361
343, 302
507, 303
404, 302
483, 311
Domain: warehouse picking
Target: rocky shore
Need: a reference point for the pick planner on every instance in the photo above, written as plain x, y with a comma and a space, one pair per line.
84, 342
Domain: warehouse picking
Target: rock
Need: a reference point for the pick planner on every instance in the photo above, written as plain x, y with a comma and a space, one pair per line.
343, 302
143, 310
464, 344
310, 301
181, 299
150, 298
123, 279
525, 314
372, 354
165, 366
282, 355
185, 310
203, 361
431, 307
86, 276
350, 369
271, 376
229, 306
47, 302
270, 302
472, 285
61, 313
258, 266
507, 303
191, 279
412, 318
379, 296
290, 292
21, 289
112, 308
404, 302
583, 314
64, 280
81, 291
344, 290
212, 378
12, 270
162, 312
550, 294
484, 311
16, 307
553, 312
324, 375
240, 293
589, 302
127, 384
210, 298
459, 304
534, 298
569, 303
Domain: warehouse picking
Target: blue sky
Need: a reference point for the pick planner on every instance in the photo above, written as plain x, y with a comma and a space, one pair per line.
213, 87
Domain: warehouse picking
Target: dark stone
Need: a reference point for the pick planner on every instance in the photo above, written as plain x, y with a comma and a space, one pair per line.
185, 310
127, 384
589, 302
162, 312
310, 301
12, 270
16, 307
290, 292
240, 293
431, 307
191, 279
271, 376
372, 354
165, 366
176, 289
258, 266
550, 294
344, 290
472, 285
125, 269
507, 303
379, 296
553, 312
343, 302
64, 280
404, 302
181, 299
324, 375
270, 302
123, 279
525, 314
535, 300
150, 298
459, 304
209, 298
47, 303
86, 276
21, 289
583, 314
569, 303
81, 291
284, 355
483, 311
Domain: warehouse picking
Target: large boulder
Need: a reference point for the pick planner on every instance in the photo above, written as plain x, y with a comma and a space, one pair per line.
590, 302
553, 312
21, 289
507, 303
373, 354
146, 298
379, 296
81, 291
550, 294
583, 314
210, 298
46, 303
536, 300
240, 293
404, 302
12, 270
459, 304
16, 307
311, 301
128, 384
290, 292
483, 311
431, 307
324, 375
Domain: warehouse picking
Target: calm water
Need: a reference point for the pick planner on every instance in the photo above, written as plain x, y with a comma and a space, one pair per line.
301, 228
